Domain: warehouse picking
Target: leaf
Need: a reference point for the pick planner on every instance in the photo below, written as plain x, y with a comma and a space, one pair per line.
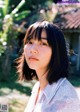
18, 7
5, 5
21, 15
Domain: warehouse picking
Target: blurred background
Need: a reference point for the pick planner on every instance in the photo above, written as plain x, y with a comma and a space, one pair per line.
15, 17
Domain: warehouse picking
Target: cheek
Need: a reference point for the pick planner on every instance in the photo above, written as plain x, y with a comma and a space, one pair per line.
48, 57
47, 54
25, 51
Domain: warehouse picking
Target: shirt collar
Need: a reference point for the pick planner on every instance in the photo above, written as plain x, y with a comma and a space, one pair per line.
35, 88
50, 90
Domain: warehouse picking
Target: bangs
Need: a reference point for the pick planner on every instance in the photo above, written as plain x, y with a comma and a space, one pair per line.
34, 32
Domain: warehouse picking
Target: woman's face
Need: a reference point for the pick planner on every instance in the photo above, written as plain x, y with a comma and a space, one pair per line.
38, 53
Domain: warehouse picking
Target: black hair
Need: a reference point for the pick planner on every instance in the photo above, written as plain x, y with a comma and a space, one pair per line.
58, 66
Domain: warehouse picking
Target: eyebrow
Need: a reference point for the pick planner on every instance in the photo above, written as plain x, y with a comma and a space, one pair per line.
43, 38
40, 39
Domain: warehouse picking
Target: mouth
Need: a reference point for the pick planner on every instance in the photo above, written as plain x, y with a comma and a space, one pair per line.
33, 59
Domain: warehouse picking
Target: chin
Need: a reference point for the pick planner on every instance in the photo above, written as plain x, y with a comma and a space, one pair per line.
33, 67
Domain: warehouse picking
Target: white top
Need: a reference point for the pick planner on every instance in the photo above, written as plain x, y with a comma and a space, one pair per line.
57, 97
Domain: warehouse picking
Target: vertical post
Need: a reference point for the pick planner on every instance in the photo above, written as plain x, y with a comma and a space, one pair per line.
78, 56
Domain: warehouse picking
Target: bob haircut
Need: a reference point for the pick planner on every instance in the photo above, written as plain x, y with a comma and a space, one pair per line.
58, 66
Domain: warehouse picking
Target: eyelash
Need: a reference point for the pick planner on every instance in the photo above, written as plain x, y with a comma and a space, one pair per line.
41, 43
29, 42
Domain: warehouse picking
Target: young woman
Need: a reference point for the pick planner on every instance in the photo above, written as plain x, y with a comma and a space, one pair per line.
45, 58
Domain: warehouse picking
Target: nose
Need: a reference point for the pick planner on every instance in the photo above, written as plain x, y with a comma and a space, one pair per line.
34, 48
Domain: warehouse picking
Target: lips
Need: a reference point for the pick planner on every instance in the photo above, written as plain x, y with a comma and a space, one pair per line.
33, 58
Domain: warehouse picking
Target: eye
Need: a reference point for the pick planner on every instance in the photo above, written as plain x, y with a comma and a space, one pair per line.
29, 42
44, 43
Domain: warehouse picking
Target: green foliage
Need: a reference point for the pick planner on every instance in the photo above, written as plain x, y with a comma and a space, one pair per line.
46, 11
7, 22
29, 4
18, 7
8, 33
19, 16
2, 44
4, 9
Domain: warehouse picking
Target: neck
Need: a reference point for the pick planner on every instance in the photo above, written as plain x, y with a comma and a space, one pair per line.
43, 84
42, 79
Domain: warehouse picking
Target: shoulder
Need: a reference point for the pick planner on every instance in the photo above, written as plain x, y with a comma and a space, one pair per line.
67, 89
62, 90
65, 98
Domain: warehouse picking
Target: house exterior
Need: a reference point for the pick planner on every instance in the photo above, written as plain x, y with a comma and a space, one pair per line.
68, 19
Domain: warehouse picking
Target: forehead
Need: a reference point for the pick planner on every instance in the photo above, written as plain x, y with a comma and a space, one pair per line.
43, 34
